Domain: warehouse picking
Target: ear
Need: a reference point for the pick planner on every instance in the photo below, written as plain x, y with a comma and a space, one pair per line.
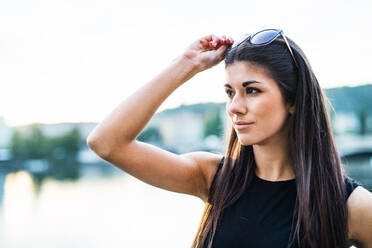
291, 109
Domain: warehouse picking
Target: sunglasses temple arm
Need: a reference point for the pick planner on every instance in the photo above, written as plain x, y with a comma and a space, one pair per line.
290, 50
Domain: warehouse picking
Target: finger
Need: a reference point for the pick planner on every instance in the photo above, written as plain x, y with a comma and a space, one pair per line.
229, 40
215, 40
204, 42
221, 52
208, 41
223, 37
208, 37
212, 36
213, 44
223, 40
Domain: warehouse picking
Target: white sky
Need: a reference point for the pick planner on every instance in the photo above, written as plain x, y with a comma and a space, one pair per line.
76, 60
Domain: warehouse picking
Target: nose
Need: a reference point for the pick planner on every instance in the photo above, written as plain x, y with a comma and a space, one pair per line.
237, 106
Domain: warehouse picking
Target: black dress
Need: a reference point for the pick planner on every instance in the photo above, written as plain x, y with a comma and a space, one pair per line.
262, 217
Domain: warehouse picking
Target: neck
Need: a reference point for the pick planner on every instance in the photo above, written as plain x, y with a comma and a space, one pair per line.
273, 161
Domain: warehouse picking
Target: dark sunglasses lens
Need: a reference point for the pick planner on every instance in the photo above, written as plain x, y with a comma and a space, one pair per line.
264, 37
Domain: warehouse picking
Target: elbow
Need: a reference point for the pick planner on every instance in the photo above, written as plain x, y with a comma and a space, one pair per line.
98, 146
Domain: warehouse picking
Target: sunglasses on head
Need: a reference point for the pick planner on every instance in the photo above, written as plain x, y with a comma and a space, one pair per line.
263, 38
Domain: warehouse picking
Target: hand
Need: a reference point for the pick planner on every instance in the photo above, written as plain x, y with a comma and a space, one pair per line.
208, 51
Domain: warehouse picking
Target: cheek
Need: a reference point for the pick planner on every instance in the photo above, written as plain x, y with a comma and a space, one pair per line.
271, 111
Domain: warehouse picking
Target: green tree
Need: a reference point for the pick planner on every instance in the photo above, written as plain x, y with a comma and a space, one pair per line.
61, 151
213, 123
63, 155
67, 145
32, 145
17, 145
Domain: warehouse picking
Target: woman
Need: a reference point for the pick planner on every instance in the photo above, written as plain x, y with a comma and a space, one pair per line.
280, 182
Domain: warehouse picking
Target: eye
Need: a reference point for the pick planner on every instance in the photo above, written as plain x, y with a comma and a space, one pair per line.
253, 91
229, 93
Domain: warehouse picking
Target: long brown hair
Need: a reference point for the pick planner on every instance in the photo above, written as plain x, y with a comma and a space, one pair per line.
320, 216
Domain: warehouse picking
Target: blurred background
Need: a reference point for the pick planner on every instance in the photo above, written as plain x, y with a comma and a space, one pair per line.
65, 65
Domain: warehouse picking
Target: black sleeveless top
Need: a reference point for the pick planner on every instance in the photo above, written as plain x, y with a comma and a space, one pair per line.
262, 217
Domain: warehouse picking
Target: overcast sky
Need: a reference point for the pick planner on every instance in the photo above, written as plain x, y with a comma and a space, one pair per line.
76, 60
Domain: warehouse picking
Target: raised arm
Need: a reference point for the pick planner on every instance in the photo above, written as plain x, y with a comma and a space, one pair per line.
114, 139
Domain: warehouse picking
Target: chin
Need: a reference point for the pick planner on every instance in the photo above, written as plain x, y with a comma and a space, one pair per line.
247, 141
252, 139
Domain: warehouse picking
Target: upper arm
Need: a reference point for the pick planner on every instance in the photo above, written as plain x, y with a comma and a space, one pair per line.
188, 173
359, 206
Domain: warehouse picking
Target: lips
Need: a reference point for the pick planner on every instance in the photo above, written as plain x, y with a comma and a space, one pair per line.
242, 124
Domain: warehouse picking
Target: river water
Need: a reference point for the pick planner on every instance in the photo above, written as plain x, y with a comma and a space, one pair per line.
111, 212
114, 211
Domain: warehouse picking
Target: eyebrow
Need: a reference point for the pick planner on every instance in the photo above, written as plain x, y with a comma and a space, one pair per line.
244, 84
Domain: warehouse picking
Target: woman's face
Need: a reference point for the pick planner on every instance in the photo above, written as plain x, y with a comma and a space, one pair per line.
255, 99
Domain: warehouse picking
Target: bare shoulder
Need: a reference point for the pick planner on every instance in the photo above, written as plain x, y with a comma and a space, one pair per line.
359, 205
208, 163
